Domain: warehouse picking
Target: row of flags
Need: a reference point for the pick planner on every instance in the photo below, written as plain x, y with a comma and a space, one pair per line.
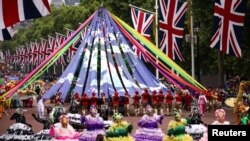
228, 25
15, 11
34, 53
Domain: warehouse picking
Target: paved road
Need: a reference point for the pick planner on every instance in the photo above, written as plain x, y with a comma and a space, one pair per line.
5, 122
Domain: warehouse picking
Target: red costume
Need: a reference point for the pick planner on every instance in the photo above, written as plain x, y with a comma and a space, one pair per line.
145, 95
188, 100
126, 100
58, 100
116, 99
208, 95
160, 97
93, 99
169, 98
85, 100
154, 97
137, 98
178, 98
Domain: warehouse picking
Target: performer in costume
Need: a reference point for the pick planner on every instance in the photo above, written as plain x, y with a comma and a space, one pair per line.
40, 107
64, 131
169, 99
160, 101
188, 100
209, 100
202, 100
75, 104
119, 130
104, 107
115, 102
58, 100
176, 129
126, 104
220, 116
178, 101
148, 128
136, 98
145, 100
85, 102
2, 106
154, 100
93, 99
94, 125
19, 117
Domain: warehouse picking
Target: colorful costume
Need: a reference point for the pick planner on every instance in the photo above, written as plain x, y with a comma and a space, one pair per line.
64, 131
169, 99
202, 103
18, 132
176, 129
148, 127
126, 104
154, 100
94, 126
85, 102
145, 98
136, 98
160, 101
115, 102
119, 130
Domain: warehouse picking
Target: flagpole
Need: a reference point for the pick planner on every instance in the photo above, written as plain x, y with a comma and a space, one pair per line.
141, 9
156, 35
192, 42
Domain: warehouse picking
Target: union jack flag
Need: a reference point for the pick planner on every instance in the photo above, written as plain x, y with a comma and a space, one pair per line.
228, 24
72, 49
33, 53
143, 24
27, 54
45, 50
59, 40
172, 27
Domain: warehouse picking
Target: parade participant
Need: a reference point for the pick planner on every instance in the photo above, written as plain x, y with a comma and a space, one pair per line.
209, 100
119, 130
45, 121
2, 106
188, 100
145, 99
169, 99
176, 129
115, 100
243, 113
19, 117
40, 107
64, 131
104, 106
202, 100
75, 104
136, 99
85, 103
154, 100
160, 101
126, 104
148, 127
178, 101
220, 116
93, 99
220, 99
58, 100
195, 116
94, 125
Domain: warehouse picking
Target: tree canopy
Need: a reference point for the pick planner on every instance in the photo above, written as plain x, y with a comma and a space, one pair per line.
70, 16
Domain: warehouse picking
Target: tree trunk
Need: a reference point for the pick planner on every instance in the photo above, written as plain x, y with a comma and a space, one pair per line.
220, 69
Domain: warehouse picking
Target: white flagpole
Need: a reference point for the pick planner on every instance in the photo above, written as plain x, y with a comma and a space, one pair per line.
192, 42
156, 34
141, 9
